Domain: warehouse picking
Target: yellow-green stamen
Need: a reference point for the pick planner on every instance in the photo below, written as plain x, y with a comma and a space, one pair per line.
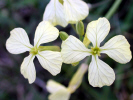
95, 51
34, 51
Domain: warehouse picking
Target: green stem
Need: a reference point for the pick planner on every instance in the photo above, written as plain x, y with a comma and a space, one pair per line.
51, 48
113, 9
81, 38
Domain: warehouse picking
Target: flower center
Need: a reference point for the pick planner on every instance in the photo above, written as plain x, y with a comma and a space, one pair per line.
34, 51
95, 51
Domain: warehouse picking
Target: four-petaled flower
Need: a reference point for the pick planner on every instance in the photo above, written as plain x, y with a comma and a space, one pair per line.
118, 48
18, 42
69, 11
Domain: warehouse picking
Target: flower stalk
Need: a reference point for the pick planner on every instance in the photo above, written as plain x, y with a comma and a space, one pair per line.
51, 48
113, 9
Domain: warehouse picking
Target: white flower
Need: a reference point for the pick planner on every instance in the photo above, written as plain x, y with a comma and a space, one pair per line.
18, 42
118, 48
58, 91
54, 13
71, 11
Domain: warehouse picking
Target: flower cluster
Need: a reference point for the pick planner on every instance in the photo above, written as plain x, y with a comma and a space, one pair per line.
62, 12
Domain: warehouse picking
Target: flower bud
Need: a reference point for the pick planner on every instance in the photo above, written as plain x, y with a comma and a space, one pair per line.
80, 28
77, 78
63, 35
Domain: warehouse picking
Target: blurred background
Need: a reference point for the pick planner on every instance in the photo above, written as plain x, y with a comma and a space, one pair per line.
27, 14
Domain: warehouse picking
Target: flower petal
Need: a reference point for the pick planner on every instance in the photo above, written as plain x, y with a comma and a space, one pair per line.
118, 49
75, 10
73, 50
18, 42
54, 13
97, 31
53, 86
50, 61
28, 68
60, 95
100, 73
45, 33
